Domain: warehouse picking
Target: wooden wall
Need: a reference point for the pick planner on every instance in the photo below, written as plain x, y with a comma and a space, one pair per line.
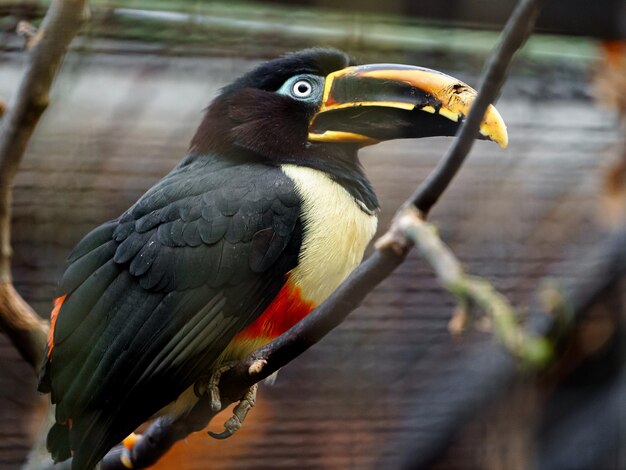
119, 122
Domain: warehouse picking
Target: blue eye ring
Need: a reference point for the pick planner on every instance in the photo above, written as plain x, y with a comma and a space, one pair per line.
302, 88
306, 88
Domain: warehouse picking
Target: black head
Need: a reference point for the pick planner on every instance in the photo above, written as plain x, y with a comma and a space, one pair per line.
312, 102
312, 108
257, 116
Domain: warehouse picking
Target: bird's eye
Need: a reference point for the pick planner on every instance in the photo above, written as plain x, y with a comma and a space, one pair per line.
302, 89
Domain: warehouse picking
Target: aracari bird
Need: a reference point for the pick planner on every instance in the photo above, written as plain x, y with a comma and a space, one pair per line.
264, 217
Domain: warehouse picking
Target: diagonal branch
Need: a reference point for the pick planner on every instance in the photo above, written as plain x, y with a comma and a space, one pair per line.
517, 30
389, 255
63, 20
163, 433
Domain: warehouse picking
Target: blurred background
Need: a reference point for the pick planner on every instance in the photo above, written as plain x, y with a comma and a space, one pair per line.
126, 104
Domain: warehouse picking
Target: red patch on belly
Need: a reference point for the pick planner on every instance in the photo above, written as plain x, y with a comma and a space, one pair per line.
287, 309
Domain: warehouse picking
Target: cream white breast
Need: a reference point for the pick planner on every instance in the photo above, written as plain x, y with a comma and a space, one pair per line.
336, 233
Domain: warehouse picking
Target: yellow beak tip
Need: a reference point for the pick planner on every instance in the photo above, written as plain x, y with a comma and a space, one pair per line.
497, 134
494, 127
502, 140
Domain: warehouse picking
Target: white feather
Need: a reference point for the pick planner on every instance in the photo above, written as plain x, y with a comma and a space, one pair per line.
336, 233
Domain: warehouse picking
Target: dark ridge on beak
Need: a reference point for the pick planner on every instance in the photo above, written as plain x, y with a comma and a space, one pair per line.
383, 123
360, 89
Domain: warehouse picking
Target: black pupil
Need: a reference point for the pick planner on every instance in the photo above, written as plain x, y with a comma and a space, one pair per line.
303, 88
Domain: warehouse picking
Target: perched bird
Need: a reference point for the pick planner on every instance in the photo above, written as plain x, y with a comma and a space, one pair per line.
262, 219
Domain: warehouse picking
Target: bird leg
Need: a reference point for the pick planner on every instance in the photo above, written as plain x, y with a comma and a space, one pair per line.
239, 414
211, 384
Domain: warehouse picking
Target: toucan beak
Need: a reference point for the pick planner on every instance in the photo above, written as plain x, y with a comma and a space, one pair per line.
370, 103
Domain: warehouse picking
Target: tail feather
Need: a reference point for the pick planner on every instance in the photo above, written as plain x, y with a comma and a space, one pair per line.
92, 437
58, 442
85, 440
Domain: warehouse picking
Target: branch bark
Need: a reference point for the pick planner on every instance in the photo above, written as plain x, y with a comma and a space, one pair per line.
28, 332
60, 25
517, 30
390, 253
394, 247
63, 20
534, 352
23, 326
485, 370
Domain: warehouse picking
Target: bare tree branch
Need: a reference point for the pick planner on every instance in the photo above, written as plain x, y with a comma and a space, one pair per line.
63, 20
30, 33
388, 256
486, 369
517, 30
163, 433
27, 331
468, 290
22, 325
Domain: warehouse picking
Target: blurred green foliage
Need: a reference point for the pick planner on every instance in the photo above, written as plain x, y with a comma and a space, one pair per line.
264, 29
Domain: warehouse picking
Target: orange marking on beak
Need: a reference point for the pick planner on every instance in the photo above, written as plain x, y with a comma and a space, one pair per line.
330, 101
53, 321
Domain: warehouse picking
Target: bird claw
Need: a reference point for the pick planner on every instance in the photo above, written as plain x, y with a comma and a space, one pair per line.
239, 414
230, 427
210, 386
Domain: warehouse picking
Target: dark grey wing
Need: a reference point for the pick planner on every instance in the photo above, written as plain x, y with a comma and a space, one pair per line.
154, 297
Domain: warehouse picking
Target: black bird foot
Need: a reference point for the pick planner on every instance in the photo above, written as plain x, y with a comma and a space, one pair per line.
239, 414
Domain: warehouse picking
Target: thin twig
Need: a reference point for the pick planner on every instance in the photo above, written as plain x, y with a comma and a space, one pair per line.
534, 352
30, 33
162, 434
485, 370
64, 17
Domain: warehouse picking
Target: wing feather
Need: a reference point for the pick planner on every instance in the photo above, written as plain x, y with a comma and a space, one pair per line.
93, 240
154, 297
